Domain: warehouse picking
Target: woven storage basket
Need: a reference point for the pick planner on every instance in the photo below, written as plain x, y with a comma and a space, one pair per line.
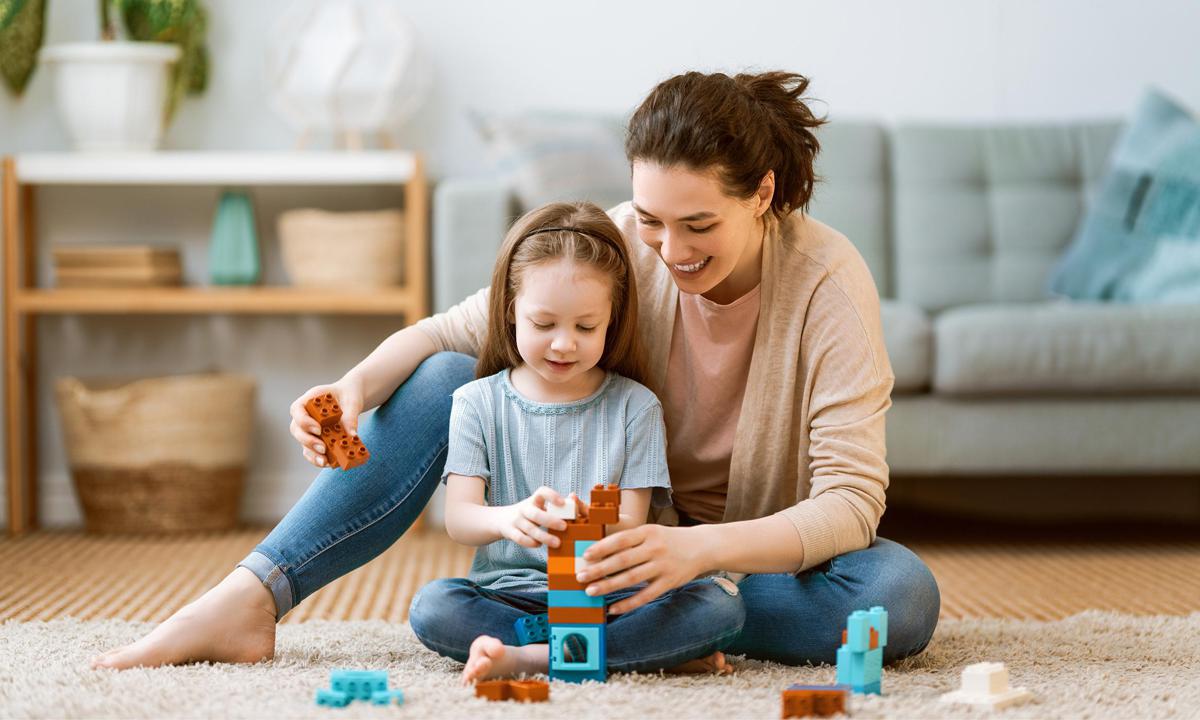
359, 249
158, 455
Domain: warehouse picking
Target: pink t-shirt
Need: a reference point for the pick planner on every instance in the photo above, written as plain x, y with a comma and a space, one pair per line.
702, 397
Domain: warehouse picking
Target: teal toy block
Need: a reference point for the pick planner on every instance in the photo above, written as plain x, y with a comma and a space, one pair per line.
858, 631
590, 639
879, 621
387, 697
359, 684
581, 546
532, 629
859, 670
332, 698
573, 598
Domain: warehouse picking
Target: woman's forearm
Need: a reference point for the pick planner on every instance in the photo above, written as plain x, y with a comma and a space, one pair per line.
390, 364
766, 545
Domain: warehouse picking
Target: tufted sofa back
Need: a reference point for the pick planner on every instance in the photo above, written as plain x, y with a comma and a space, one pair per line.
981, 214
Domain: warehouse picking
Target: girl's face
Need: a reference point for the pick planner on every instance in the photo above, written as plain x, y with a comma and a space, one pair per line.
711, 243
562, 313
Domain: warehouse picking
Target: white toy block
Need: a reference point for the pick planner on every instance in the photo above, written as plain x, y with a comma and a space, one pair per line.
986, 684
565, 511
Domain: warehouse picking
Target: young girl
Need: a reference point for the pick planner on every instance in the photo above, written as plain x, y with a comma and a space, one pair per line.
558, 407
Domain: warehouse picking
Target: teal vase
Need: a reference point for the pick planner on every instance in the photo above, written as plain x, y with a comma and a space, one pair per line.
233, 252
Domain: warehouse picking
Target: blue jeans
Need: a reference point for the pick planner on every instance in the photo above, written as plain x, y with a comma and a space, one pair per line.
347, 518
688, 622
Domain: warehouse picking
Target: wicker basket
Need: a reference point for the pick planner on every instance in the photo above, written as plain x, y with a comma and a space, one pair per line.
355, 249
158, 455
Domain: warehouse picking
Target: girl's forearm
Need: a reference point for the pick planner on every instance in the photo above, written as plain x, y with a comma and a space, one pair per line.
473, 524
765, 545
390, 364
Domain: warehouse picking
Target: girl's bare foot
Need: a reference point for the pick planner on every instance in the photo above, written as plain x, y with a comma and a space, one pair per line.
713, 664
491, 658
233, 622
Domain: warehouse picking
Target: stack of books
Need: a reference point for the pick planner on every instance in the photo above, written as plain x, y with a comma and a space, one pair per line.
116, 266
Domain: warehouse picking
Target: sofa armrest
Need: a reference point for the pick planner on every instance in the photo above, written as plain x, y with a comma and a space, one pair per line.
470, 218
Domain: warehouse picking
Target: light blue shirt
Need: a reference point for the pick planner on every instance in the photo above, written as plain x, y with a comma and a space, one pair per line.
614, 436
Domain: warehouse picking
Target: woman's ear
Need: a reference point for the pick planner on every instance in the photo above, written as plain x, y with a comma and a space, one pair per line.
766, 193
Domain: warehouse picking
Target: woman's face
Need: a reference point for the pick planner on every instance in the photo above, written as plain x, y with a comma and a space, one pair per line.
711, 242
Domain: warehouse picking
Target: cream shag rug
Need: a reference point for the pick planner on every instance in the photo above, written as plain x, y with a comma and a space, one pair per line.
1092, 665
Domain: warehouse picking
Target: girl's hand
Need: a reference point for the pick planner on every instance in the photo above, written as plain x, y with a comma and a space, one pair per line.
663, 557
307, 431
526, 522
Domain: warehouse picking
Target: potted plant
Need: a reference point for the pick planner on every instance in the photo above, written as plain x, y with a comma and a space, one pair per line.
114, 95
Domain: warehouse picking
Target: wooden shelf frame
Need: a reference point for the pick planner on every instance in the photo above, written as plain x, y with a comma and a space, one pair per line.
24, 302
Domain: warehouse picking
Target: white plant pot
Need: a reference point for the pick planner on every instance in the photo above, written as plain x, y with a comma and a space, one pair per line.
111, 95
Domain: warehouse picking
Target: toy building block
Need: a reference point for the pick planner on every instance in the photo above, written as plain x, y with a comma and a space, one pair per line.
493, 689
814, 700
576, 616
519, 690
574, 531
387, 697
605, 494
342, 450
566, 511
860, 657
332, 698
985, 684
532, 629
605, 514
359, 684
529, 690
577, 653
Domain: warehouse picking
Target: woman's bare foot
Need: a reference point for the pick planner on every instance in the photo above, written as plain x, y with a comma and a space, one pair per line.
233, 622
713, 664
491, 658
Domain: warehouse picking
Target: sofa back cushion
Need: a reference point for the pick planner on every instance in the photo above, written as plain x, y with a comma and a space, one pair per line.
982, 214
852, 195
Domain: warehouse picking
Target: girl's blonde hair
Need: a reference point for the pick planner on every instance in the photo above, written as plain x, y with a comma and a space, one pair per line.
580, 232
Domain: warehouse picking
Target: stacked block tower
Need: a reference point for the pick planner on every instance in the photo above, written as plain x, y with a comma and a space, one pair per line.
860, 658
577, 621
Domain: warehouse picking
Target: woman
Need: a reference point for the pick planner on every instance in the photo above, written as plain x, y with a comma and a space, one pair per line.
766, 349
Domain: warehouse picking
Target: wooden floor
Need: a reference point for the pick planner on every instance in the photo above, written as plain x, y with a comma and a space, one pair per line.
55, 574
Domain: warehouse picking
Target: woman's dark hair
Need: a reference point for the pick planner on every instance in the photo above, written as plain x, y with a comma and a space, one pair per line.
742, 126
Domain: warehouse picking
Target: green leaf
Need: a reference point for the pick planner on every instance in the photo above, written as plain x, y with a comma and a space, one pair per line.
21, 34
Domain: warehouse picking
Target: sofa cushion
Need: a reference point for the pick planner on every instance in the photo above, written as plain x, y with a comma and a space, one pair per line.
1150, 195
1066, 347
908, 335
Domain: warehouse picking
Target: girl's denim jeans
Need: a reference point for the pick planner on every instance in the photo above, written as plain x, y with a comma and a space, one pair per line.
347, 518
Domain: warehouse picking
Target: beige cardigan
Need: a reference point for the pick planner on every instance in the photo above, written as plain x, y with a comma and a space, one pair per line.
810, 438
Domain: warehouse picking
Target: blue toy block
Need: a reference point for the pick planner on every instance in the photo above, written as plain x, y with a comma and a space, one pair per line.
594, 667
879, 621
872, 689
573, 598
858, 631
859, 669
532, 629
332, 698
387, 697
581, 546
359, 684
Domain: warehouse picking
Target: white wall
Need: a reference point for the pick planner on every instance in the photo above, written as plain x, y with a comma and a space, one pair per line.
955, 60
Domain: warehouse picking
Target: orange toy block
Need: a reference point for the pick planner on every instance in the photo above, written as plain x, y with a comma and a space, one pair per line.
324, 409
605, 514
341, 449
605, 494
529, 690
519, 690
575, 531
814, 700
560, 565
564, 581
576, 616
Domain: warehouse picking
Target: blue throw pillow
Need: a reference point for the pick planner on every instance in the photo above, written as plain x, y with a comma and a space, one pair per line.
1150, 196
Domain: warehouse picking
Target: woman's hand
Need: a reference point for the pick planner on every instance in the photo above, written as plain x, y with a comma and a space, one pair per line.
307, 431
526, 523
663, 557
